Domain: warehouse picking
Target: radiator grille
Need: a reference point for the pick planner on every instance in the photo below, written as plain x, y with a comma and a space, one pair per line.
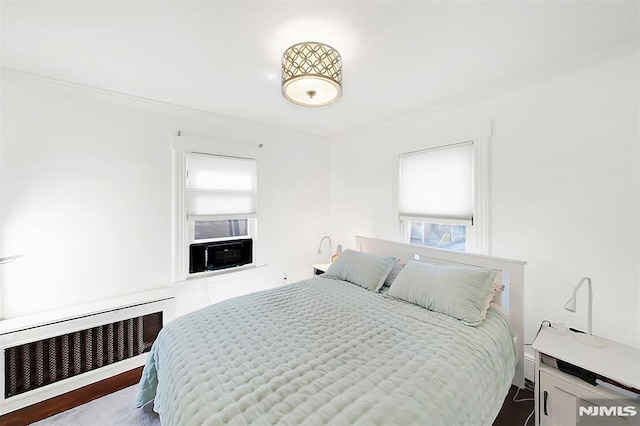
36, 364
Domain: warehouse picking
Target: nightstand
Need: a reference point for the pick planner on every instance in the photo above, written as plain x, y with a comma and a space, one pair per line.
564, 367
320, 268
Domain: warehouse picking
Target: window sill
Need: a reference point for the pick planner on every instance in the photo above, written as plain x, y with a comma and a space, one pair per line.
200, 277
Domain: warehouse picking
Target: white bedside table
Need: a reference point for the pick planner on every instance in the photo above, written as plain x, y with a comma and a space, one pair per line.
559, 395
320, 268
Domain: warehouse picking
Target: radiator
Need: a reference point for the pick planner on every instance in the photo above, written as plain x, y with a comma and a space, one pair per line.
44, 357
36, 364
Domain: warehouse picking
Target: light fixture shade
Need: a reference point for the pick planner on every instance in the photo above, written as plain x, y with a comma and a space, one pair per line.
311, 74
571, 304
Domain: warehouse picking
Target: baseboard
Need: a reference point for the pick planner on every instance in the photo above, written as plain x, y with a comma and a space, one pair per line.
529, 385
529, 367
64, 402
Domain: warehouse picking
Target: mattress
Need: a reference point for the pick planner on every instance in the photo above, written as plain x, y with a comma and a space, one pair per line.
327, 352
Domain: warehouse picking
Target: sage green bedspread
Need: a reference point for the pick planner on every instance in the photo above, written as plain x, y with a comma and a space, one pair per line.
327, 352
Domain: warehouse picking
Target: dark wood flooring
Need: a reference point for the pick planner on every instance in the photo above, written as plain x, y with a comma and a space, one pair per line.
58, 404
515, 413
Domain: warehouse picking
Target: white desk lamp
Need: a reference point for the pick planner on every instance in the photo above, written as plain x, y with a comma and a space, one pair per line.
330, 249
589, 338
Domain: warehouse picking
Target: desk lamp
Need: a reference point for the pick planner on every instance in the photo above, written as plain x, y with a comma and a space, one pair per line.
589, 338
330, 248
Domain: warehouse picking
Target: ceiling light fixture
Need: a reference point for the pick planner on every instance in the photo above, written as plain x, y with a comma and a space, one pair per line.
311, 74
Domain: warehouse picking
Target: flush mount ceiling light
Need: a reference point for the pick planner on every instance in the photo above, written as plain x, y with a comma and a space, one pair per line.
311, 74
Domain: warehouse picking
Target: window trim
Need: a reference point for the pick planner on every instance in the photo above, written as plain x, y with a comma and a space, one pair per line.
478, 232
181, 146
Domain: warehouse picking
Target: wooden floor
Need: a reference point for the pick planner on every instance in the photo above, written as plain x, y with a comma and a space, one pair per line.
58, 404
515, 413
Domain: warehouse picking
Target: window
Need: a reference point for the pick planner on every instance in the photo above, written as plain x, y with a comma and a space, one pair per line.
216, 195
222, 198
441, 235
438, 195
214, 229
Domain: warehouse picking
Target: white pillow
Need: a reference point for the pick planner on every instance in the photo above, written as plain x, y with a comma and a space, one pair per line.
363, 269
456, 291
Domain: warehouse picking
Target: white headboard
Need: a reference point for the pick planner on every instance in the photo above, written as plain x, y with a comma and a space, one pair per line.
512, 276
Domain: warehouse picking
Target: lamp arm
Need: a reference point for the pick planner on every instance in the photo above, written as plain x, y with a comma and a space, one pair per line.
590, 302
330, 247
590, 307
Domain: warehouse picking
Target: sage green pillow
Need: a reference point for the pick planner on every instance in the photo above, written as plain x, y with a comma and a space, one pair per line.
363, 269
457, 291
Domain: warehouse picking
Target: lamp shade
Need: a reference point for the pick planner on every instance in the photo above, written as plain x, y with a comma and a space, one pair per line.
311, 74
571, 304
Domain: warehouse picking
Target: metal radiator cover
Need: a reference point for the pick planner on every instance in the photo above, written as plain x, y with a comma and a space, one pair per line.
35, 364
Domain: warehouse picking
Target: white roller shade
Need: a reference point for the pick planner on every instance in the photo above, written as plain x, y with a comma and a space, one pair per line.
437, 184
221, 186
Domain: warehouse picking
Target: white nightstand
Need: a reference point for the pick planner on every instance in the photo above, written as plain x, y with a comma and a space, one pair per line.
559, 395
320, 268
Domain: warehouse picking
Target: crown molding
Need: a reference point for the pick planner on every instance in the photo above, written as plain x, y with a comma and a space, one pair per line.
152, 104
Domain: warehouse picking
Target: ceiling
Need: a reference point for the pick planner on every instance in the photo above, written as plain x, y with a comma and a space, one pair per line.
224, 57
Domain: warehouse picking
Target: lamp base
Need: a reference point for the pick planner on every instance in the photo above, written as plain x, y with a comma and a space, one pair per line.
590, 339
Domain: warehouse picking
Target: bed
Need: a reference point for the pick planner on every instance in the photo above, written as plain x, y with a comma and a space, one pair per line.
328, 351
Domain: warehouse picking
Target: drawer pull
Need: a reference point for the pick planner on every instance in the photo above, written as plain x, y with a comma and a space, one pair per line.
546, 394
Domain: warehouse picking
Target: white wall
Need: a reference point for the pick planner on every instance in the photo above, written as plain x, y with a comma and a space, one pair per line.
564, 191
86, 184
86, 188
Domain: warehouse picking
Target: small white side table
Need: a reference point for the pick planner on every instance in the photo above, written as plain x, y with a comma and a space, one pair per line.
559, 395
320, 268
